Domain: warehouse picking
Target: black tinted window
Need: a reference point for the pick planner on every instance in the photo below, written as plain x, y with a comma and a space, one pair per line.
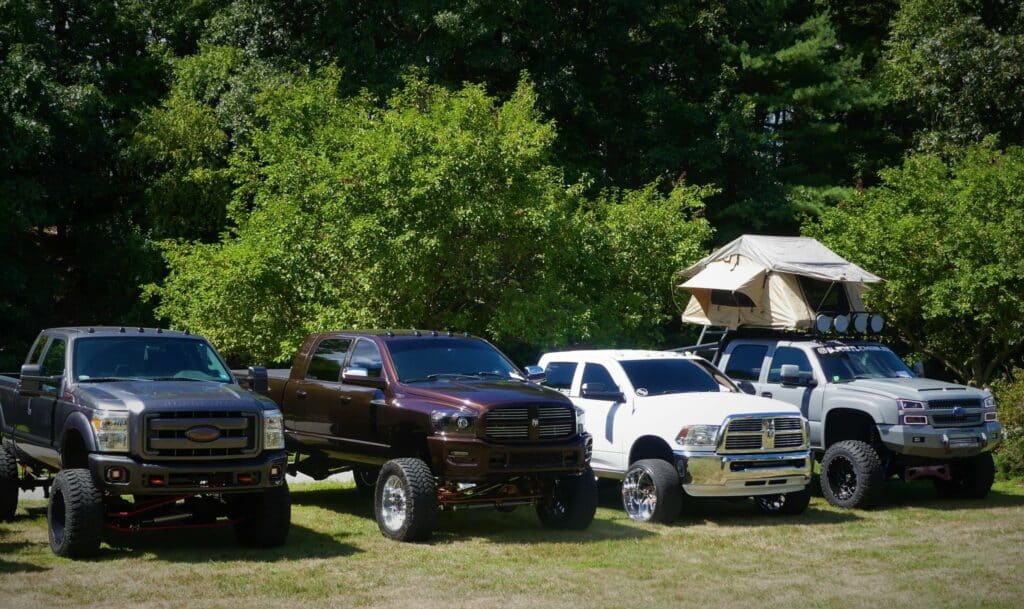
663, 376
596, 373
745, 362
326, 362
367, 355
559, 374
53, 362
788, 355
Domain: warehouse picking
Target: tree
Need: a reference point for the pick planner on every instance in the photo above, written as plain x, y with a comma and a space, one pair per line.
947, 237
438, 209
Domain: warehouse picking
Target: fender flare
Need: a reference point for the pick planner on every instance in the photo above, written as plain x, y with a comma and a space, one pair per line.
76, 421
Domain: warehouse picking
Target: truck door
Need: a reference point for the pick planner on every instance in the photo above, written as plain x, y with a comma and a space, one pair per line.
16, 414
358, 400
312, 401
601, 415
40, 409
797, 395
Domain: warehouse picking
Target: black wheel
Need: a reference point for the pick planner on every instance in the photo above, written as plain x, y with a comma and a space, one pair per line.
571, 503
405, 500
788, 504
366, 480
652, 492
75, 514
851, 474
8, 484
265, 517
971, 478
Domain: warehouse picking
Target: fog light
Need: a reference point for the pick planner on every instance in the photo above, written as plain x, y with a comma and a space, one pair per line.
915, 419
116, 475
459, 453
276, 473
991, 417
918, 440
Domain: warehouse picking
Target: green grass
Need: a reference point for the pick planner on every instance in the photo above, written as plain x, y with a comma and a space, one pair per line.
916, 551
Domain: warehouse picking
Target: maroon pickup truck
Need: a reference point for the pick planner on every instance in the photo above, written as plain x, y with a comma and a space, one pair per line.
429, 420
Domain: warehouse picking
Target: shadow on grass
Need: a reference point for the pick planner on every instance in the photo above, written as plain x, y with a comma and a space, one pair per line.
9, 547
221, 545
922, 494
518, 526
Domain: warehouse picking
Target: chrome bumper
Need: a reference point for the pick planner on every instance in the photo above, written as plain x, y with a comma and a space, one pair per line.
743, 475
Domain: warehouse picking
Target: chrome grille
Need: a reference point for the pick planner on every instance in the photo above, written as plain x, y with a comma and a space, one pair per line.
164, 434
516, 423
763, 434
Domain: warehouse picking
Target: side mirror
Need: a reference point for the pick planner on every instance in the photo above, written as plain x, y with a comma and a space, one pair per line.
790, 374
257, 379
31, 380
598, 391
535, 374
361, 376
917, 368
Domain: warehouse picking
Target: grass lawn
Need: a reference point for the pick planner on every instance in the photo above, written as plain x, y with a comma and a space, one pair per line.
916, 551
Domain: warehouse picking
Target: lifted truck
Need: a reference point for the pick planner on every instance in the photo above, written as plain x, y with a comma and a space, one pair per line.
429, 420
100, 415
872, 417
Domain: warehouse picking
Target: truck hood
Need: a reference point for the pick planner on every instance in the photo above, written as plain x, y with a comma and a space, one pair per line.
910, 389
482, 395
137, 396
708, 408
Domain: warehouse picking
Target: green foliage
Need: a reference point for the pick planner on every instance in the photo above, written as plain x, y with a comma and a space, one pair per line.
1009, 394
948, 239
439, 209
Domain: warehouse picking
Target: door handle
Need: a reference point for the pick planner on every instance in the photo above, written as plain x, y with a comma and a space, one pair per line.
301, 394
766, 394
344, 399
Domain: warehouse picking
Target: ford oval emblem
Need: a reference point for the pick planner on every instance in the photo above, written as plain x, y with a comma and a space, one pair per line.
202, 433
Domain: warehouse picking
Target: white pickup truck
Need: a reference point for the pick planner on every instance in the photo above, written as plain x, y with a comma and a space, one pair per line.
671, 425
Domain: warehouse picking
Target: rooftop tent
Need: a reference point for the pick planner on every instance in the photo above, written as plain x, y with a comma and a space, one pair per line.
772, 282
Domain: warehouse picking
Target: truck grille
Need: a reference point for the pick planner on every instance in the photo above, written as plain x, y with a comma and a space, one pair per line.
954, 403
763, 434
956, 420
165, 434
518, 423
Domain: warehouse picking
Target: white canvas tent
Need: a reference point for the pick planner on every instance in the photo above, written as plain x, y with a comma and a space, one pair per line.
772, 282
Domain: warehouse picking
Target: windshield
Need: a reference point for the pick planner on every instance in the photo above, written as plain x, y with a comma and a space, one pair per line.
664, 376
429, 358
146, 358
848, 362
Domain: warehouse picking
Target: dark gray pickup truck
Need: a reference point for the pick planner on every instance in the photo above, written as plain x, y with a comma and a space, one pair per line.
139, 429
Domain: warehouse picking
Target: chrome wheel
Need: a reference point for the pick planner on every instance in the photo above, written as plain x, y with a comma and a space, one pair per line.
639, 495
393, 503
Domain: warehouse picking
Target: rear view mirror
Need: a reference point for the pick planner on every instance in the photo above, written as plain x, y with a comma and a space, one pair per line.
598, 391
535, 374
257, 379
31, 380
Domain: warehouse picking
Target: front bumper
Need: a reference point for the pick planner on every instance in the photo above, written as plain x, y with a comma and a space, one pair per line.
941, 442
266, 470
474, 460
743, 475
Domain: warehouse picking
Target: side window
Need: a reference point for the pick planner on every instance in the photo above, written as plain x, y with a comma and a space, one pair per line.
745, 362
37, 350
367, 355
53, 361
559, 375
788, 355
596, 373
325, 364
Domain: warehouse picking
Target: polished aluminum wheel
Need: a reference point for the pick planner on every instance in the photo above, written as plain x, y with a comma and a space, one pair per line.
393, 503
639, 495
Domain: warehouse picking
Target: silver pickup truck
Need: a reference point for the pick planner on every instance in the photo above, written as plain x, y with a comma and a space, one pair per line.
871, 416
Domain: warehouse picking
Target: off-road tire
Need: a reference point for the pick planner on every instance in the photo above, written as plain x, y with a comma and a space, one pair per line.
788, 504
8, 484
265, 517
851, 474
405, 500
366, 480
972, 478
571, 502
75, 514
652, 481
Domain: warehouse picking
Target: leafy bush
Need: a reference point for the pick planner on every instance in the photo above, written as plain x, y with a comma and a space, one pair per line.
1010, 403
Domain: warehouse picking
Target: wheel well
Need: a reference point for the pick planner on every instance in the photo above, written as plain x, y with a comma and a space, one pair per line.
848, 424
650, 447
73, 453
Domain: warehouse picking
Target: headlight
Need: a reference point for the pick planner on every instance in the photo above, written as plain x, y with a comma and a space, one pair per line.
698, 436
111, 430
910, 404
273, 429
581, 420
990, 402
454, 422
